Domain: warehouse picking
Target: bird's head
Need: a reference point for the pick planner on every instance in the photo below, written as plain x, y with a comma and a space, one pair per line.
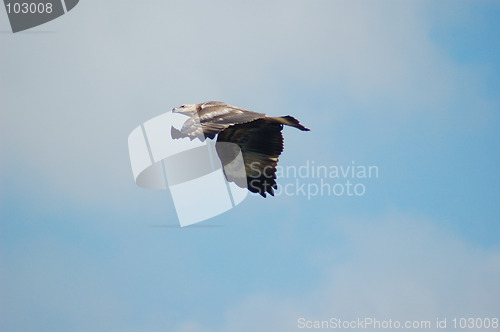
186, 109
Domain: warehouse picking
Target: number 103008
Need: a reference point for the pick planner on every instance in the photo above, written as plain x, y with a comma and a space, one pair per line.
31, 8
475, 323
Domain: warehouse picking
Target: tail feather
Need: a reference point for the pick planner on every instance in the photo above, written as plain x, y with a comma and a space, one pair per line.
290, 121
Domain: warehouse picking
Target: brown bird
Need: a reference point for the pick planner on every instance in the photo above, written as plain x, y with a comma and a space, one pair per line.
257, 135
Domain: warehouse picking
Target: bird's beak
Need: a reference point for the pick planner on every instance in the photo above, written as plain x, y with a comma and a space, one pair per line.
186, 109
182, 110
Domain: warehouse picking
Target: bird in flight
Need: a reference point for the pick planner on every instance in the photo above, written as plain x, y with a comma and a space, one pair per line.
256, 135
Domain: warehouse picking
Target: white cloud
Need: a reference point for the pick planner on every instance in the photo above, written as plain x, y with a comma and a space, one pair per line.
399, 267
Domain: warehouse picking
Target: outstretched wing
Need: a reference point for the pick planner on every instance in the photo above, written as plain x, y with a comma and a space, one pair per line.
261, 143
215, 116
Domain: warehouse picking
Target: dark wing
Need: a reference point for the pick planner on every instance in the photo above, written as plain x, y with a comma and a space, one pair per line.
261, 143
215, 116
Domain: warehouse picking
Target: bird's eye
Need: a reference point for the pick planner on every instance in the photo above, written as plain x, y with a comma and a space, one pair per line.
182, 106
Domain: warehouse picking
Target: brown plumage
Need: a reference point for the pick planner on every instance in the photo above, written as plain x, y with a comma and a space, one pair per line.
257, 135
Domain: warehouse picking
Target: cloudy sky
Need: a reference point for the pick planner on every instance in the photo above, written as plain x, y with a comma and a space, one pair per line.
409, 87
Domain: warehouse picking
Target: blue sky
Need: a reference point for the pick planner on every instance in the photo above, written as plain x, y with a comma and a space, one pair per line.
411, 87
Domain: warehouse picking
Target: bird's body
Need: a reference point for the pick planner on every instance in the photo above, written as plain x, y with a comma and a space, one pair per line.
257, 135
